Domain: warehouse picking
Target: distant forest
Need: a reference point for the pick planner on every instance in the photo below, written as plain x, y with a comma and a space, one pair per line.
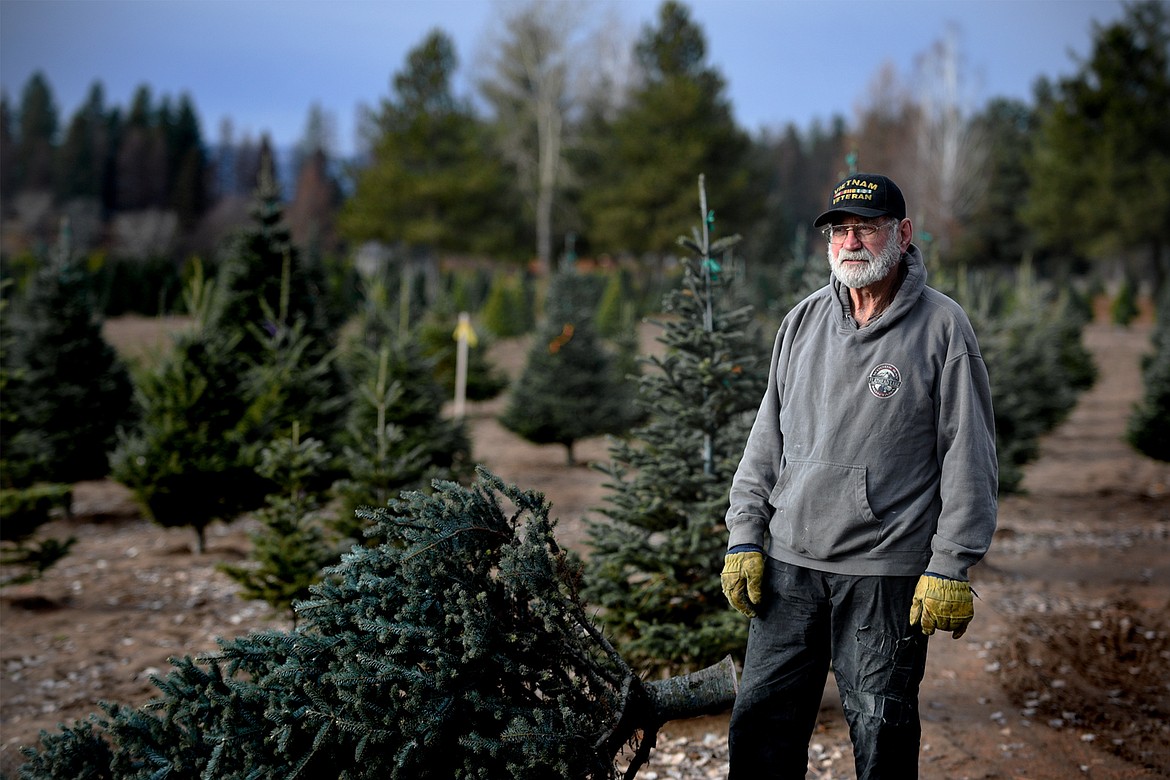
558, 166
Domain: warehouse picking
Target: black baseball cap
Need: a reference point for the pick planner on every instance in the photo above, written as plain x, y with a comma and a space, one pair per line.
864, 195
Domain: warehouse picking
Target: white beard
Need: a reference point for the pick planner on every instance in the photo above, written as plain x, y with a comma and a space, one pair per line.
876, 267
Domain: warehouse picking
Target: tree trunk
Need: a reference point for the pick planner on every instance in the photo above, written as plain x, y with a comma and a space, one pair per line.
705, 692
649, 705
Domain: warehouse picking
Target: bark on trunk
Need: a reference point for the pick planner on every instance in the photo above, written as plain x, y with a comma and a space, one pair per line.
649, 705
705, 692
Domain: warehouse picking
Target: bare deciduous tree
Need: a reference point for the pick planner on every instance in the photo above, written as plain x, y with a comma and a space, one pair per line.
950, 151
532, 58
920, 132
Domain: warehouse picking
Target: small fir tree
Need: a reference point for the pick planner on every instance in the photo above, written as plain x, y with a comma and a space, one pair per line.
655, 561
1124, 308
1149, 424
570, 388
290, 551
615, 311
258, 358
264, 274
396, 435
459, 649
269, 298
380, 464
66, 391
1031, 341
63, 393
23, 509
288, 381
191, 459
508, 310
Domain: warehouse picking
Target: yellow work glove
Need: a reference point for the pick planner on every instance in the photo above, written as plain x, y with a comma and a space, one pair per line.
743, 579
942, 604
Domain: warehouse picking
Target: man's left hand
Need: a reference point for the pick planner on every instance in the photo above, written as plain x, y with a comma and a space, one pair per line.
942, 604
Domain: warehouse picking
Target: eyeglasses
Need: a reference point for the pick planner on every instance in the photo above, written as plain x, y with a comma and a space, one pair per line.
835, 234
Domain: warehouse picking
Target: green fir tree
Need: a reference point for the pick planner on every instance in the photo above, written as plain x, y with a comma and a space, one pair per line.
265, 277
655, 561
616, 309
397, 436
459, 649
271, 301
66, 391
258, 359
292, 547
1149, 424
1031, 340
570, 388
1124, 308
508, 310
63, 393
191, 459
24, 506
377, 464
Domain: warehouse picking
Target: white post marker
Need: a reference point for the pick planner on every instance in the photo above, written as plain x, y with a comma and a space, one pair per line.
464, 337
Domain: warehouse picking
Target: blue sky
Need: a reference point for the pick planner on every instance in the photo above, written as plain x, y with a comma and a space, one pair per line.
264, 63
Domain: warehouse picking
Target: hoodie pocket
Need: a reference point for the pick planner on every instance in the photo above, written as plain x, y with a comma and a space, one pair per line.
822, 510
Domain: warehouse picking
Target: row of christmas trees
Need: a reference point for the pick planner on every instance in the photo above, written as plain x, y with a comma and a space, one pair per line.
222, 422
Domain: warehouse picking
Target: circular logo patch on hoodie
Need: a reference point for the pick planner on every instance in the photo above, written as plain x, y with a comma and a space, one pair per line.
885, 380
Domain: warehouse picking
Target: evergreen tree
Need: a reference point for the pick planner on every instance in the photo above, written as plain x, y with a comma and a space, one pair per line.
141, 157
1031, 342
396, 435
258, 360
264, 282
37, 140
1102, 155
655, 561
677, 121
569, 389
508, 310
378, 459
290, 551
238, 381
458, 649
1124, 308
8, 156
187, 165
794, 168
433, 183
1149, 424
616, 309
85, 153
191, 459
272, 303
68, 392
995, 233
24, 507
24, 511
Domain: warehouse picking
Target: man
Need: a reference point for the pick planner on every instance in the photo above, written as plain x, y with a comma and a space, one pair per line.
866, 490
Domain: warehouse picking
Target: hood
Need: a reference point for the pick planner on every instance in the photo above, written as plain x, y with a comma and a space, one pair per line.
907, 295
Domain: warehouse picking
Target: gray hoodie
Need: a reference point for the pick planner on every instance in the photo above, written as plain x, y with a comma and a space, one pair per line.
873, 450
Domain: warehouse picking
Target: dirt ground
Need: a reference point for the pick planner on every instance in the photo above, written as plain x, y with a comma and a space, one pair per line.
1063, 674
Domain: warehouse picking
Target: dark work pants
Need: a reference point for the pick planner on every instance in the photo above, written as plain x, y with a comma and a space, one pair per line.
863, 625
